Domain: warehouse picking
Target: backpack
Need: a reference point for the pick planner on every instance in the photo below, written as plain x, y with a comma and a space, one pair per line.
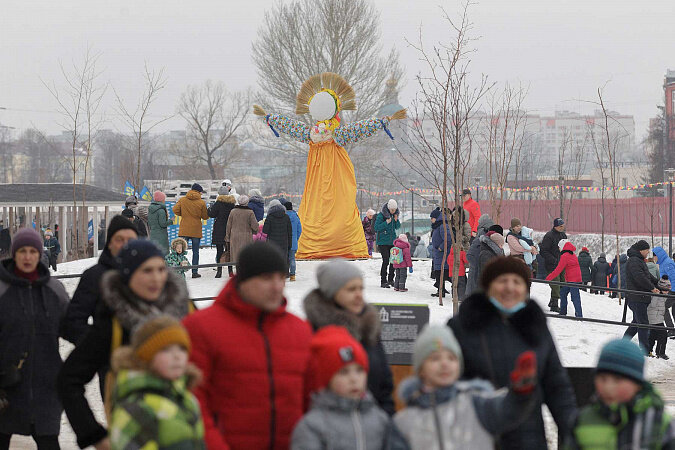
395, 256
140, 226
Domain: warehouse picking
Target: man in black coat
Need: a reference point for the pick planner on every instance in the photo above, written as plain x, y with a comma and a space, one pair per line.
220, 210
278, 227
551, 253
638, 278
75, 324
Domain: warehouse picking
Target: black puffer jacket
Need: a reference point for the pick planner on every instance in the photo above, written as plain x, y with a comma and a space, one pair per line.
638, 277
93, 352
75, 324
220, 210
585, 263
601, 270
549, 248
491, 343
29, 325
365, 328
278, 228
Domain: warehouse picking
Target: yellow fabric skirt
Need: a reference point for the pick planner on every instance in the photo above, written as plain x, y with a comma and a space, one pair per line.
331, 224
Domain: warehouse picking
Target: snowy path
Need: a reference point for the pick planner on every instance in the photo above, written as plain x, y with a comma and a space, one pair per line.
578, 343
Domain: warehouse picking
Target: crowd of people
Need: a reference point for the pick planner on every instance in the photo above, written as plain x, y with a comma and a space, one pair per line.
245, 373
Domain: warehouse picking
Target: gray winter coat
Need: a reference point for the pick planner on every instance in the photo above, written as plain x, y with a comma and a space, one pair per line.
339, 423
465, 415
421, 251
488, 251
656, 310
484, 223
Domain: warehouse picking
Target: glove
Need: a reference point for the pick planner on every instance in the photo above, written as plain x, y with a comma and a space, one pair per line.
410, 270
524, 375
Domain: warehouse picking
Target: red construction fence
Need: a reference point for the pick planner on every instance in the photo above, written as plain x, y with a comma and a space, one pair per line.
636, 216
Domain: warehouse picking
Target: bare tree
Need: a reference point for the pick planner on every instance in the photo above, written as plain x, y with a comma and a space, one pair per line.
213, 117
138, 119
571, 164
441, 137
308, 37
504, 136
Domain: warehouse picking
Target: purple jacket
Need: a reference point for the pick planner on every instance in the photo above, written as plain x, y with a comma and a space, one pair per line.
368, 228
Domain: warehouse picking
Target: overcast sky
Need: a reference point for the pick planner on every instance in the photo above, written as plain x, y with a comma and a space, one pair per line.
563, 50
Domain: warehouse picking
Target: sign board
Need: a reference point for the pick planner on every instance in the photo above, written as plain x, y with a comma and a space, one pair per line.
90, 230
401, 323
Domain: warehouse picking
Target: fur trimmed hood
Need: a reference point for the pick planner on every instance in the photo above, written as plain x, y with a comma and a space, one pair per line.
131, 310
226, 199
321, 312
179, 240
477, 313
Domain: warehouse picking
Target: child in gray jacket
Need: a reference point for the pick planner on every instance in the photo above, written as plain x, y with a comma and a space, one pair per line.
445, 413
343, 415
656, 313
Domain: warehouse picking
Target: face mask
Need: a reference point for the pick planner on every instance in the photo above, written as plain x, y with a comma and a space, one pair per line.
507, 311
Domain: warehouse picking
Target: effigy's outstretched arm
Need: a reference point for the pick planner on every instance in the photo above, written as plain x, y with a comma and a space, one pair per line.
280, 123
363, 129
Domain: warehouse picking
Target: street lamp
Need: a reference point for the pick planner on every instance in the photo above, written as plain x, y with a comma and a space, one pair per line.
669, 176
477, 181
362, 186
412, 206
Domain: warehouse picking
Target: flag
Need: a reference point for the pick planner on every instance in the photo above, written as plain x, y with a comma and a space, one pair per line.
129, 189
90, 230
145, 194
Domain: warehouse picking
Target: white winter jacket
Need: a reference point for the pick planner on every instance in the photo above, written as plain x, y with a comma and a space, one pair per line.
656, 310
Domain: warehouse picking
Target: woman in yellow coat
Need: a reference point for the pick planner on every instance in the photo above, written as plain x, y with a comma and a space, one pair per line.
331, 223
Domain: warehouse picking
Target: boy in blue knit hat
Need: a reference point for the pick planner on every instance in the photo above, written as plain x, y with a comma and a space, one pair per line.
626, 411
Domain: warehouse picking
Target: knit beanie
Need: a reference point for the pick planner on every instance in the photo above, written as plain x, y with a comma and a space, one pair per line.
134, 254
131, 200
641, 245
497, 229
158, 333
254, 192
503, 265
584, 249
118, 223
602, 255
334, 274
403, 237
557, 222
26, 237
49, 232
159, 196
435, 214
288, 206
260, 258
664, 283
515, 222
391, 204
243, 200
197, 187
223, 190
332, 348
622, 357
275, 203
432, 338
498, 239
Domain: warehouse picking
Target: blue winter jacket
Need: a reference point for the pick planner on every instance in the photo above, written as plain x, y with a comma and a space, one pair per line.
666, 264
297, 228
438, 240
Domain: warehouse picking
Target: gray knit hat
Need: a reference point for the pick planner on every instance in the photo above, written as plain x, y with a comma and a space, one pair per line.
243, 200
334, 274
223, 190
275, 202
432, 338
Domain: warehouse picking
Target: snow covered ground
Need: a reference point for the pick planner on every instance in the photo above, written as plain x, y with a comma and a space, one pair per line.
578, 343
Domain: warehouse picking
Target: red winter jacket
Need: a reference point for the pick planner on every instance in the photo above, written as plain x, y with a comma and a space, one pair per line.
569, 263
255, 368
472, 207
462, 262
407, 260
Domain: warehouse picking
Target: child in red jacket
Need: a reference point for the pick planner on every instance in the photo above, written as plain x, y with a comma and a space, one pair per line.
406, 264
463, 263
570, 264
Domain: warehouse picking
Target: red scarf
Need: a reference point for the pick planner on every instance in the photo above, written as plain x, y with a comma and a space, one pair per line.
32, 276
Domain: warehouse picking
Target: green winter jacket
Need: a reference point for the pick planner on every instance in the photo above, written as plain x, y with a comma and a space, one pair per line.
158, 221
173, 259
152, 413
600, 427
386, 232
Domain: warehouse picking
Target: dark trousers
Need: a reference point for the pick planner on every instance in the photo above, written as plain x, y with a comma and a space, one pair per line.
576, 300
401, 277
195, 250
384, 251
43, 442
220, 249
639, 316
461, 287
660, 338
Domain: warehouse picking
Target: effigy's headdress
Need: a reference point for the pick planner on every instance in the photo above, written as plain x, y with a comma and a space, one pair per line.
323, 96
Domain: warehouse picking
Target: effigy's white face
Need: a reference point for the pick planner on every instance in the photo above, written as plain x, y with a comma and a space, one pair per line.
319, 133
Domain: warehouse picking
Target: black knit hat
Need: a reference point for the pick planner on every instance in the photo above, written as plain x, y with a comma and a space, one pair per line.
502, 265
497, 229
134, 254
288, 205
260, 258
116, 224
641, 245
197, 187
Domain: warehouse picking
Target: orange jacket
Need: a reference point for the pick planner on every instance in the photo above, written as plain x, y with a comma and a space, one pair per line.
473, 208
191, 210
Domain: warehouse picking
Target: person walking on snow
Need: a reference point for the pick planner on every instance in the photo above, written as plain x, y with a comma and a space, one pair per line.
158, 221
278, 227
569, 263
297, 232
220, 211
656, 312
666, 267
441, 241
241, 226
385, 226
472, 207
551, 254
638, 278
599, 273
53, 247
192, 210
369, 230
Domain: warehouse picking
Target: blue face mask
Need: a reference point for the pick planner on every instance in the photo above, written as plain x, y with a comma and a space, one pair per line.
507, 311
